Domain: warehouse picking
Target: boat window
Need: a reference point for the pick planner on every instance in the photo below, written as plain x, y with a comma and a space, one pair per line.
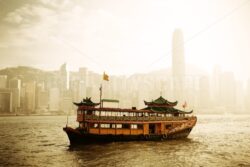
113, 126
105, 125
125, 114
139, 126
133, 126
118, 126
96, 126
125, 126
102, 113
89, 112
153, 114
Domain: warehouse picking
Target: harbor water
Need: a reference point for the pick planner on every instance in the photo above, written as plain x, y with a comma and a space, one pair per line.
216, 140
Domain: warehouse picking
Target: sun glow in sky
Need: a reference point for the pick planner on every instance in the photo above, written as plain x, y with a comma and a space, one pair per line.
124, 37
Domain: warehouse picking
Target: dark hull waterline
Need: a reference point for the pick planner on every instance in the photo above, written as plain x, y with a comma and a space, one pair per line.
76, 136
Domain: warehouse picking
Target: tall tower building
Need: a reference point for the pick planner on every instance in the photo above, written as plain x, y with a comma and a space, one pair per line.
178, 65
63, 77
15, 86
30, 96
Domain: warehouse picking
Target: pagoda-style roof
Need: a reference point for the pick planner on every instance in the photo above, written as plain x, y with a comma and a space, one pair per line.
160, 102
86, 102
162, 105
164, 110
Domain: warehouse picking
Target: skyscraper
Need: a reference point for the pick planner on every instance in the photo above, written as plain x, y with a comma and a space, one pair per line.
3, 81
63, 77
15, 86
5, 100
178, 65
54, 99
30, 96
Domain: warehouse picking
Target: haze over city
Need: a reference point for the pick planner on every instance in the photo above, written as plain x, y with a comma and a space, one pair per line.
124, 37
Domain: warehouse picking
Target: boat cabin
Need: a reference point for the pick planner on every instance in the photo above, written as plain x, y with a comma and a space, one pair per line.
158, 118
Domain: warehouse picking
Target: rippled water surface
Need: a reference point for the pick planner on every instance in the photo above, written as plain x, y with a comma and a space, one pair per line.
40, 141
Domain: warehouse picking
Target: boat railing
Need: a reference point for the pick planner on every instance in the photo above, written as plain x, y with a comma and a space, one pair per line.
131, 118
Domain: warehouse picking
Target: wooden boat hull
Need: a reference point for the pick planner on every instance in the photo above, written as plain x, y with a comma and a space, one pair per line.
76, 136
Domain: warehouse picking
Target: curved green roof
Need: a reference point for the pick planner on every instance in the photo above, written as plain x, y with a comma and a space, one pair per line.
167, 110
86, 102
161, 101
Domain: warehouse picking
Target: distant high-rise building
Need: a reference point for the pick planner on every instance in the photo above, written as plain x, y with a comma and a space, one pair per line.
63, 77
178, 65
215, 93
5, 100
42, 98
54, 99
30, 96
66, 102
228, 91
15, 86
83, 74
82, 90
204, 92
3, 81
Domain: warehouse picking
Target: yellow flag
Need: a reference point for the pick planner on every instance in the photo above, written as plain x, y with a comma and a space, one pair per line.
105, 77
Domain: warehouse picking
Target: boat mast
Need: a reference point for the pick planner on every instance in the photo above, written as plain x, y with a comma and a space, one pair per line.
100, 95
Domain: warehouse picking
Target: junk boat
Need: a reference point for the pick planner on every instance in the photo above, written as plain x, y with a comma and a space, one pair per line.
160, 120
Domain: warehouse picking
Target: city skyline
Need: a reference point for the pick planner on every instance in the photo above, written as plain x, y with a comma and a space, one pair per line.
215, 93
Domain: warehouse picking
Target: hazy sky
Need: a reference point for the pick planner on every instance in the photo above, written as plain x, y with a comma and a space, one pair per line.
124, 36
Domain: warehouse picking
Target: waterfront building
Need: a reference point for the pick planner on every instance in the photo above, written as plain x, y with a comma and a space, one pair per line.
5, 100
54, 99
30, 96
15, 86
